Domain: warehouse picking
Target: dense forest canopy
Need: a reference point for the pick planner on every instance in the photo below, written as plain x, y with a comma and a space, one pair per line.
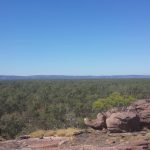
49, 104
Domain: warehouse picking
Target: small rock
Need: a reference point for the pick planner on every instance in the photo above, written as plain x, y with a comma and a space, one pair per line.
99, 123
22, 137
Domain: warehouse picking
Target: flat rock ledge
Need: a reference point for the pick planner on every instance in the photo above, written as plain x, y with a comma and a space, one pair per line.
91, 140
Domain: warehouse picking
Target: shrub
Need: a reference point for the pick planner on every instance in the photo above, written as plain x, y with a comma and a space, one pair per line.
113, 100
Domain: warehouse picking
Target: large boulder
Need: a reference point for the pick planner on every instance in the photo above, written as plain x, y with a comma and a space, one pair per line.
133, 118
99, 123
142, 108
123, 122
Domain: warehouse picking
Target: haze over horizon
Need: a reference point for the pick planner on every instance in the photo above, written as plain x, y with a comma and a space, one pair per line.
30, 75
81, 37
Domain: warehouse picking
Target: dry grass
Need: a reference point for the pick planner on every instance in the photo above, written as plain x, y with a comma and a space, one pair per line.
67, 132
37, 134
59, 132
50, 133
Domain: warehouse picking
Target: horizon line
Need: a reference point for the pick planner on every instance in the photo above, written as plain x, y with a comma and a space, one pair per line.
76, 75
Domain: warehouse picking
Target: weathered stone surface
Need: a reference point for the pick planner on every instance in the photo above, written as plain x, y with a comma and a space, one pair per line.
142, 108
95, 140
99, 123
134, 145
123, 122
111, 111
134, 117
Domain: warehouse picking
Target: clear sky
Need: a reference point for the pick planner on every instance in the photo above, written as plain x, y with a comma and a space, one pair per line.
74, 37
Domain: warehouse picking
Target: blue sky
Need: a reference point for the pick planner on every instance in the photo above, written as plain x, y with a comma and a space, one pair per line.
74, 37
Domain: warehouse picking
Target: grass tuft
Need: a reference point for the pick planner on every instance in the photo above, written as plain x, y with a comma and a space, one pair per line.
49, 133
59, 132
37, 134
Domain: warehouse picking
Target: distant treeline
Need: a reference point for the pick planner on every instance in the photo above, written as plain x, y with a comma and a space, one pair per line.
49, 104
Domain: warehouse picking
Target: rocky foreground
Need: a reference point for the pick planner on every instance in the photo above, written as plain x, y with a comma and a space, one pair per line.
87, 140
117, 129
130, 119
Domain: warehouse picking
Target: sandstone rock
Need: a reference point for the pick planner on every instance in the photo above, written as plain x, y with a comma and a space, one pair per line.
131, 108
142, 103
145, 118
123, 122
111, 111
22, 137
99, 123
2, 139
134, 117
142, 108
134, 145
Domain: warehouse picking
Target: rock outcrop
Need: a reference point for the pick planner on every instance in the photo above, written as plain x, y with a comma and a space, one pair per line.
142, 107
99, 123
123, 122
133, 118
134, 145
